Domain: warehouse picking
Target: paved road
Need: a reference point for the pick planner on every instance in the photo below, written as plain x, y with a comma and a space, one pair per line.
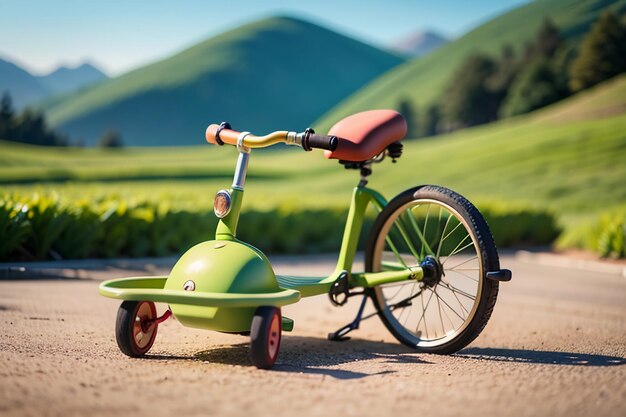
555, 346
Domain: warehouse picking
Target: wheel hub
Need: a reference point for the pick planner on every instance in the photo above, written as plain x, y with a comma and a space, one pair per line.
433, 271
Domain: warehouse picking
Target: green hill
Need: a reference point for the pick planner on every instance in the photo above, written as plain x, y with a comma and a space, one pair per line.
422, 81
277, 73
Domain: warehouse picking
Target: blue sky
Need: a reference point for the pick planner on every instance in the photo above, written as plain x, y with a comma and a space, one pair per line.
120, 35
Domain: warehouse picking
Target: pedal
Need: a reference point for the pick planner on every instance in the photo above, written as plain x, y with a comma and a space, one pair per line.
340, 290
502, 275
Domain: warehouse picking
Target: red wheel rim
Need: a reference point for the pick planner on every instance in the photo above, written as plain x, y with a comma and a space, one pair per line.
144, 330
273, 339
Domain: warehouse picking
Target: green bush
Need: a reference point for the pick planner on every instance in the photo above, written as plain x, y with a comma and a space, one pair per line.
612, 238
44, 227
47, 221
78, 237
605, 235
515, 225
14, 227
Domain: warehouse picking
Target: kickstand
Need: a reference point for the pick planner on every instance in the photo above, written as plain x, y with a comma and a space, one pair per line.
340, 335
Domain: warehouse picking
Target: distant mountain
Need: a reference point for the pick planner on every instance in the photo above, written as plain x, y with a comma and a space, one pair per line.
422, 81
64, 79
23, 87
274, 74
419, 43
26, 89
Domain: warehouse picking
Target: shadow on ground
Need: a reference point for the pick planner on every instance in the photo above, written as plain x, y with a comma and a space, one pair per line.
308, 355
541, 357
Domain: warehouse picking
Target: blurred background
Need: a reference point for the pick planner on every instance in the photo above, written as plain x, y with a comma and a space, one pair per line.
518, 105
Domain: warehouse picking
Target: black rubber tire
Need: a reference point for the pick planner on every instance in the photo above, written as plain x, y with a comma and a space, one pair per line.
265, 340
488, 253
124, 329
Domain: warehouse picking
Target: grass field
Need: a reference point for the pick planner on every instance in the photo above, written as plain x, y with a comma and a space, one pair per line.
568, 157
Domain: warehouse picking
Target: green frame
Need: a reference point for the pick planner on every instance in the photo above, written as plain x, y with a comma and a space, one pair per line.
362, 197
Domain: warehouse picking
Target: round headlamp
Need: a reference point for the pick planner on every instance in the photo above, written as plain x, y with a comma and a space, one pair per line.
221, 204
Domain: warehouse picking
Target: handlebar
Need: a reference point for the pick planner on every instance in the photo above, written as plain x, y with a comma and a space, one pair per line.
308, 140
313, 141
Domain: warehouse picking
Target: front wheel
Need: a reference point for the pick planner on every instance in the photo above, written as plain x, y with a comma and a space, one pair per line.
444, 313
265, 336
135, 327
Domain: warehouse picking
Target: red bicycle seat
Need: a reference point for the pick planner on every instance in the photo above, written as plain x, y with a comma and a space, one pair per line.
364, 135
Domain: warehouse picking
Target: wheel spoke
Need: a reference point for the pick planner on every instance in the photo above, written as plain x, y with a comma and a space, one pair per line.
457, 250
462, 263
439, 298
446, 314
445, 226
461, 249
437, 230
419, 293
453, 310
465, 275
463, 309
443, 328
395, 251
405, 302
421, 234
401, 285
423, 314
452, 231
458, 291
406, 238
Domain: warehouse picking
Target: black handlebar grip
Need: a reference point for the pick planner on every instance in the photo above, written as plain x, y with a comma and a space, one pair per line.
313, 141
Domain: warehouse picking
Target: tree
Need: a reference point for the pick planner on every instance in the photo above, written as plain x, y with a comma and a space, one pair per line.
110, 139
30, 127
6, 116
535, 87
539, 78
561, 63
548, 39
405, 108
27, 127
468, 100
429, 123
506, 70
602, 54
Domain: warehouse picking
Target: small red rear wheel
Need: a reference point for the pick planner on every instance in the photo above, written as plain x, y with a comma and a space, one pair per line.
135, 328
265, 336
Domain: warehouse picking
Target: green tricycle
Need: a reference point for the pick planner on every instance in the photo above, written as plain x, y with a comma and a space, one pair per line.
429, 250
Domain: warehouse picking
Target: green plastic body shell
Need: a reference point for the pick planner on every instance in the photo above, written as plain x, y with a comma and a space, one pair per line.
225, 267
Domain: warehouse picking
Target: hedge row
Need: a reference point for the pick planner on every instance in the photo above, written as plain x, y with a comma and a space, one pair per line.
41, 227
606, 235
